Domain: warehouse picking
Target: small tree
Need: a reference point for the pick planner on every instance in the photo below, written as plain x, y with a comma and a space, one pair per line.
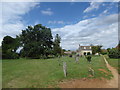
96, 49
114, 53
9, 47
56, 45
88, 58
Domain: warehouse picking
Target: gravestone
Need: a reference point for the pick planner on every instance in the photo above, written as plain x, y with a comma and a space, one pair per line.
65, 69
76, 59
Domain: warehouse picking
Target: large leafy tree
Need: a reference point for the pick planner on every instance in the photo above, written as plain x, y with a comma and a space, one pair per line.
36, 41
57, 48
9, 47
114, 53
96, 49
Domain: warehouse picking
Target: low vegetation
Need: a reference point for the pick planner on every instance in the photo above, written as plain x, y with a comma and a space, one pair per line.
114, 63
40, 73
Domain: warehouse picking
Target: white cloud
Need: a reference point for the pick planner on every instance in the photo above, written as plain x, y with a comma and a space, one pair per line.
93, 6
55, 22
12, 13
100, 30
47, 12
58, 22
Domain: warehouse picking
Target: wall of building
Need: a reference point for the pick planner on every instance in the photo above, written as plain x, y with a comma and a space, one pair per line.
83, 51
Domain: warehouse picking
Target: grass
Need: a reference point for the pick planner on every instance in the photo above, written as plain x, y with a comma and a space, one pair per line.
114, 63
40, 73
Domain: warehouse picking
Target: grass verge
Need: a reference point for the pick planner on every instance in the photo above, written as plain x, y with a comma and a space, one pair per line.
42, 73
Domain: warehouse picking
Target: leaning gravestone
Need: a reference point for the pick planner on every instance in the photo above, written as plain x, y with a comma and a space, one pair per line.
65, 69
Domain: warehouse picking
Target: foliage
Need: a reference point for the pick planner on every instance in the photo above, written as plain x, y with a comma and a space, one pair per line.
96, 49
9, 47
36, 42
88, 57
113, 62
114, 53
62, 52
73, 53
56, 47
104, 51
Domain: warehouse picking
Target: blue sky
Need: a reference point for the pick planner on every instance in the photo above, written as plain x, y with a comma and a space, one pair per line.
77, 23
59, 14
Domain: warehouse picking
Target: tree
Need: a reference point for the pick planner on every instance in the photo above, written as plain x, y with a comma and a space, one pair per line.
9, 47
88, 57
56, 47
114, 53
103, 51
96, 49
36, 42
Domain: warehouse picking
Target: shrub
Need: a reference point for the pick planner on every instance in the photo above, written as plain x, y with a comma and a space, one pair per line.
88, 58
114, 53
70, 55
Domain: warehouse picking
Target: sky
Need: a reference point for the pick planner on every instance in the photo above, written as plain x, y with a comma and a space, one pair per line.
77, 23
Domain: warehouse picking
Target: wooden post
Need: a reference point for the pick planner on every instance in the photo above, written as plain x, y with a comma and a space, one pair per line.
65, 69
91, 71
59, 60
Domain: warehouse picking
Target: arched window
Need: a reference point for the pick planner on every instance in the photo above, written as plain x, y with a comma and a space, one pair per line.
84, 53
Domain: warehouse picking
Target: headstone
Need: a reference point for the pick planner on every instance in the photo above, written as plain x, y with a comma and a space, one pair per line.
76, 59
65, 69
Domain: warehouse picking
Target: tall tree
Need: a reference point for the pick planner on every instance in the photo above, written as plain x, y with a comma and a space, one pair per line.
57, 48
36, 41
96, 49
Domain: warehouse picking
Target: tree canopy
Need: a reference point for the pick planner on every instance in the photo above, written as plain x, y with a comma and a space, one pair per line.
9, 47
36, 41
96, 49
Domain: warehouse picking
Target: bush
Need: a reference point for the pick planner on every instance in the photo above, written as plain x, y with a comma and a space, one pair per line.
114, 53
70, 55
10, 55
88, 58
103, 53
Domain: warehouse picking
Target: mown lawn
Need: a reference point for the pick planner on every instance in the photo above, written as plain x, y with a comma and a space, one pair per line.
114, 63
40, 73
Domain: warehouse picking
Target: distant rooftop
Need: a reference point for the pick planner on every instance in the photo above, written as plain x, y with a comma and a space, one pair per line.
85, 47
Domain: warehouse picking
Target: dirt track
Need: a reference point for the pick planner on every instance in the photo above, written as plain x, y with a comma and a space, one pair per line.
93, 83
